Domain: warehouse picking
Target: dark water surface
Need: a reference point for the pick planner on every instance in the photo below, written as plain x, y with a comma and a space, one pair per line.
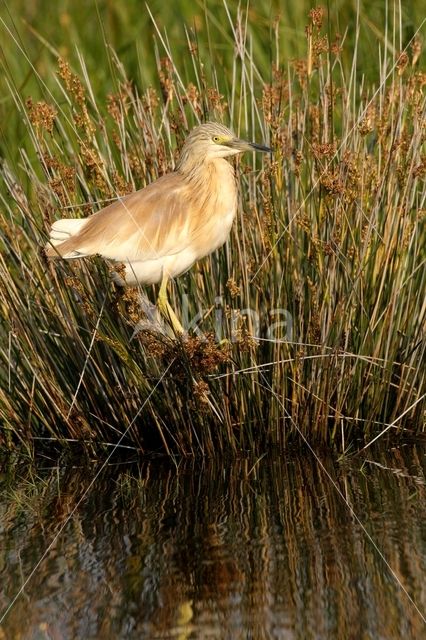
217, 551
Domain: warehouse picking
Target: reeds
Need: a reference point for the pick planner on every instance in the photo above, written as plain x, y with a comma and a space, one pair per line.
321, 289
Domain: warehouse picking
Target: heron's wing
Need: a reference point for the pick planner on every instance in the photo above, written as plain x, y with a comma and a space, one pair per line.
155, 221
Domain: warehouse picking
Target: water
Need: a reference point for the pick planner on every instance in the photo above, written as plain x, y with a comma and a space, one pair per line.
237, 550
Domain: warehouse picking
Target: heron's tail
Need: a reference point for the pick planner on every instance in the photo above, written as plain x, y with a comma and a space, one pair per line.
60, 233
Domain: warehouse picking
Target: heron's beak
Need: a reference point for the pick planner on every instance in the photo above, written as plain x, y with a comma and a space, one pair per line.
242, 145
259, 147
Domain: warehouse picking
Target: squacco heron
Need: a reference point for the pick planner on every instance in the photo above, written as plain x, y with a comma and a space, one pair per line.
160, 231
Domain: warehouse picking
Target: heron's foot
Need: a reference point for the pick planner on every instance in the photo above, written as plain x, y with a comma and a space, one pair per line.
225, 345
167, 312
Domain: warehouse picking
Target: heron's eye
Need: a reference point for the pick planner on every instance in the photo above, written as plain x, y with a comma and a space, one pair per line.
216, 138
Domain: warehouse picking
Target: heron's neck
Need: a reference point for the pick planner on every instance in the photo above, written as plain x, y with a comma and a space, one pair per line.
209, 174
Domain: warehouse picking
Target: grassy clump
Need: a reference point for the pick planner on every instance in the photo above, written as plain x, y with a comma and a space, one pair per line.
327, 254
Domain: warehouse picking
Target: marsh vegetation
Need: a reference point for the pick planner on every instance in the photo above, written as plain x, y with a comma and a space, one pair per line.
320, 290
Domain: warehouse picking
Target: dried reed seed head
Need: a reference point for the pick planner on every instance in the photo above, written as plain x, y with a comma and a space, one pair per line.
118, 104
61, 178
251, 265
66, 173
59, 188
72, 82
304, 222
76, 284
317, 16
313, 250
201, 391
245, 341
205, 354
92, 162
199, 355
192, 96
415, 93
416, 49
130, 297
233, 288
166, 65
121, 187
165, 75
131, 294
320, 45
83, 121
156, 346
298, 159
41, 114
137, 166
118, 141
365, 126
75, 87
267, 102
115, 107
332, 183
325, 150
119, 268
336, 47
150, 100
86, 209
402, 62
315, 121
216, 101
420, 169
48, 212
301, 69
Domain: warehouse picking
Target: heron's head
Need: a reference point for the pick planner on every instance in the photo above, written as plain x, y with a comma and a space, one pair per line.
214, 140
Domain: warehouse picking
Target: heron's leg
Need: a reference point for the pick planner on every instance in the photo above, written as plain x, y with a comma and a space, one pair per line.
165, 307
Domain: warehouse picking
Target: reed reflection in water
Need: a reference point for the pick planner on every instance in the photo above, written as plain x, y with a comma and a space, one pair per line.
238, 550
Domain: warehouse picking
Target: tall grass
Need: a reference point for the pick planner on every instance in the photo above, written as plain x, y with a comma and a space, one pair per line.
328, 254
